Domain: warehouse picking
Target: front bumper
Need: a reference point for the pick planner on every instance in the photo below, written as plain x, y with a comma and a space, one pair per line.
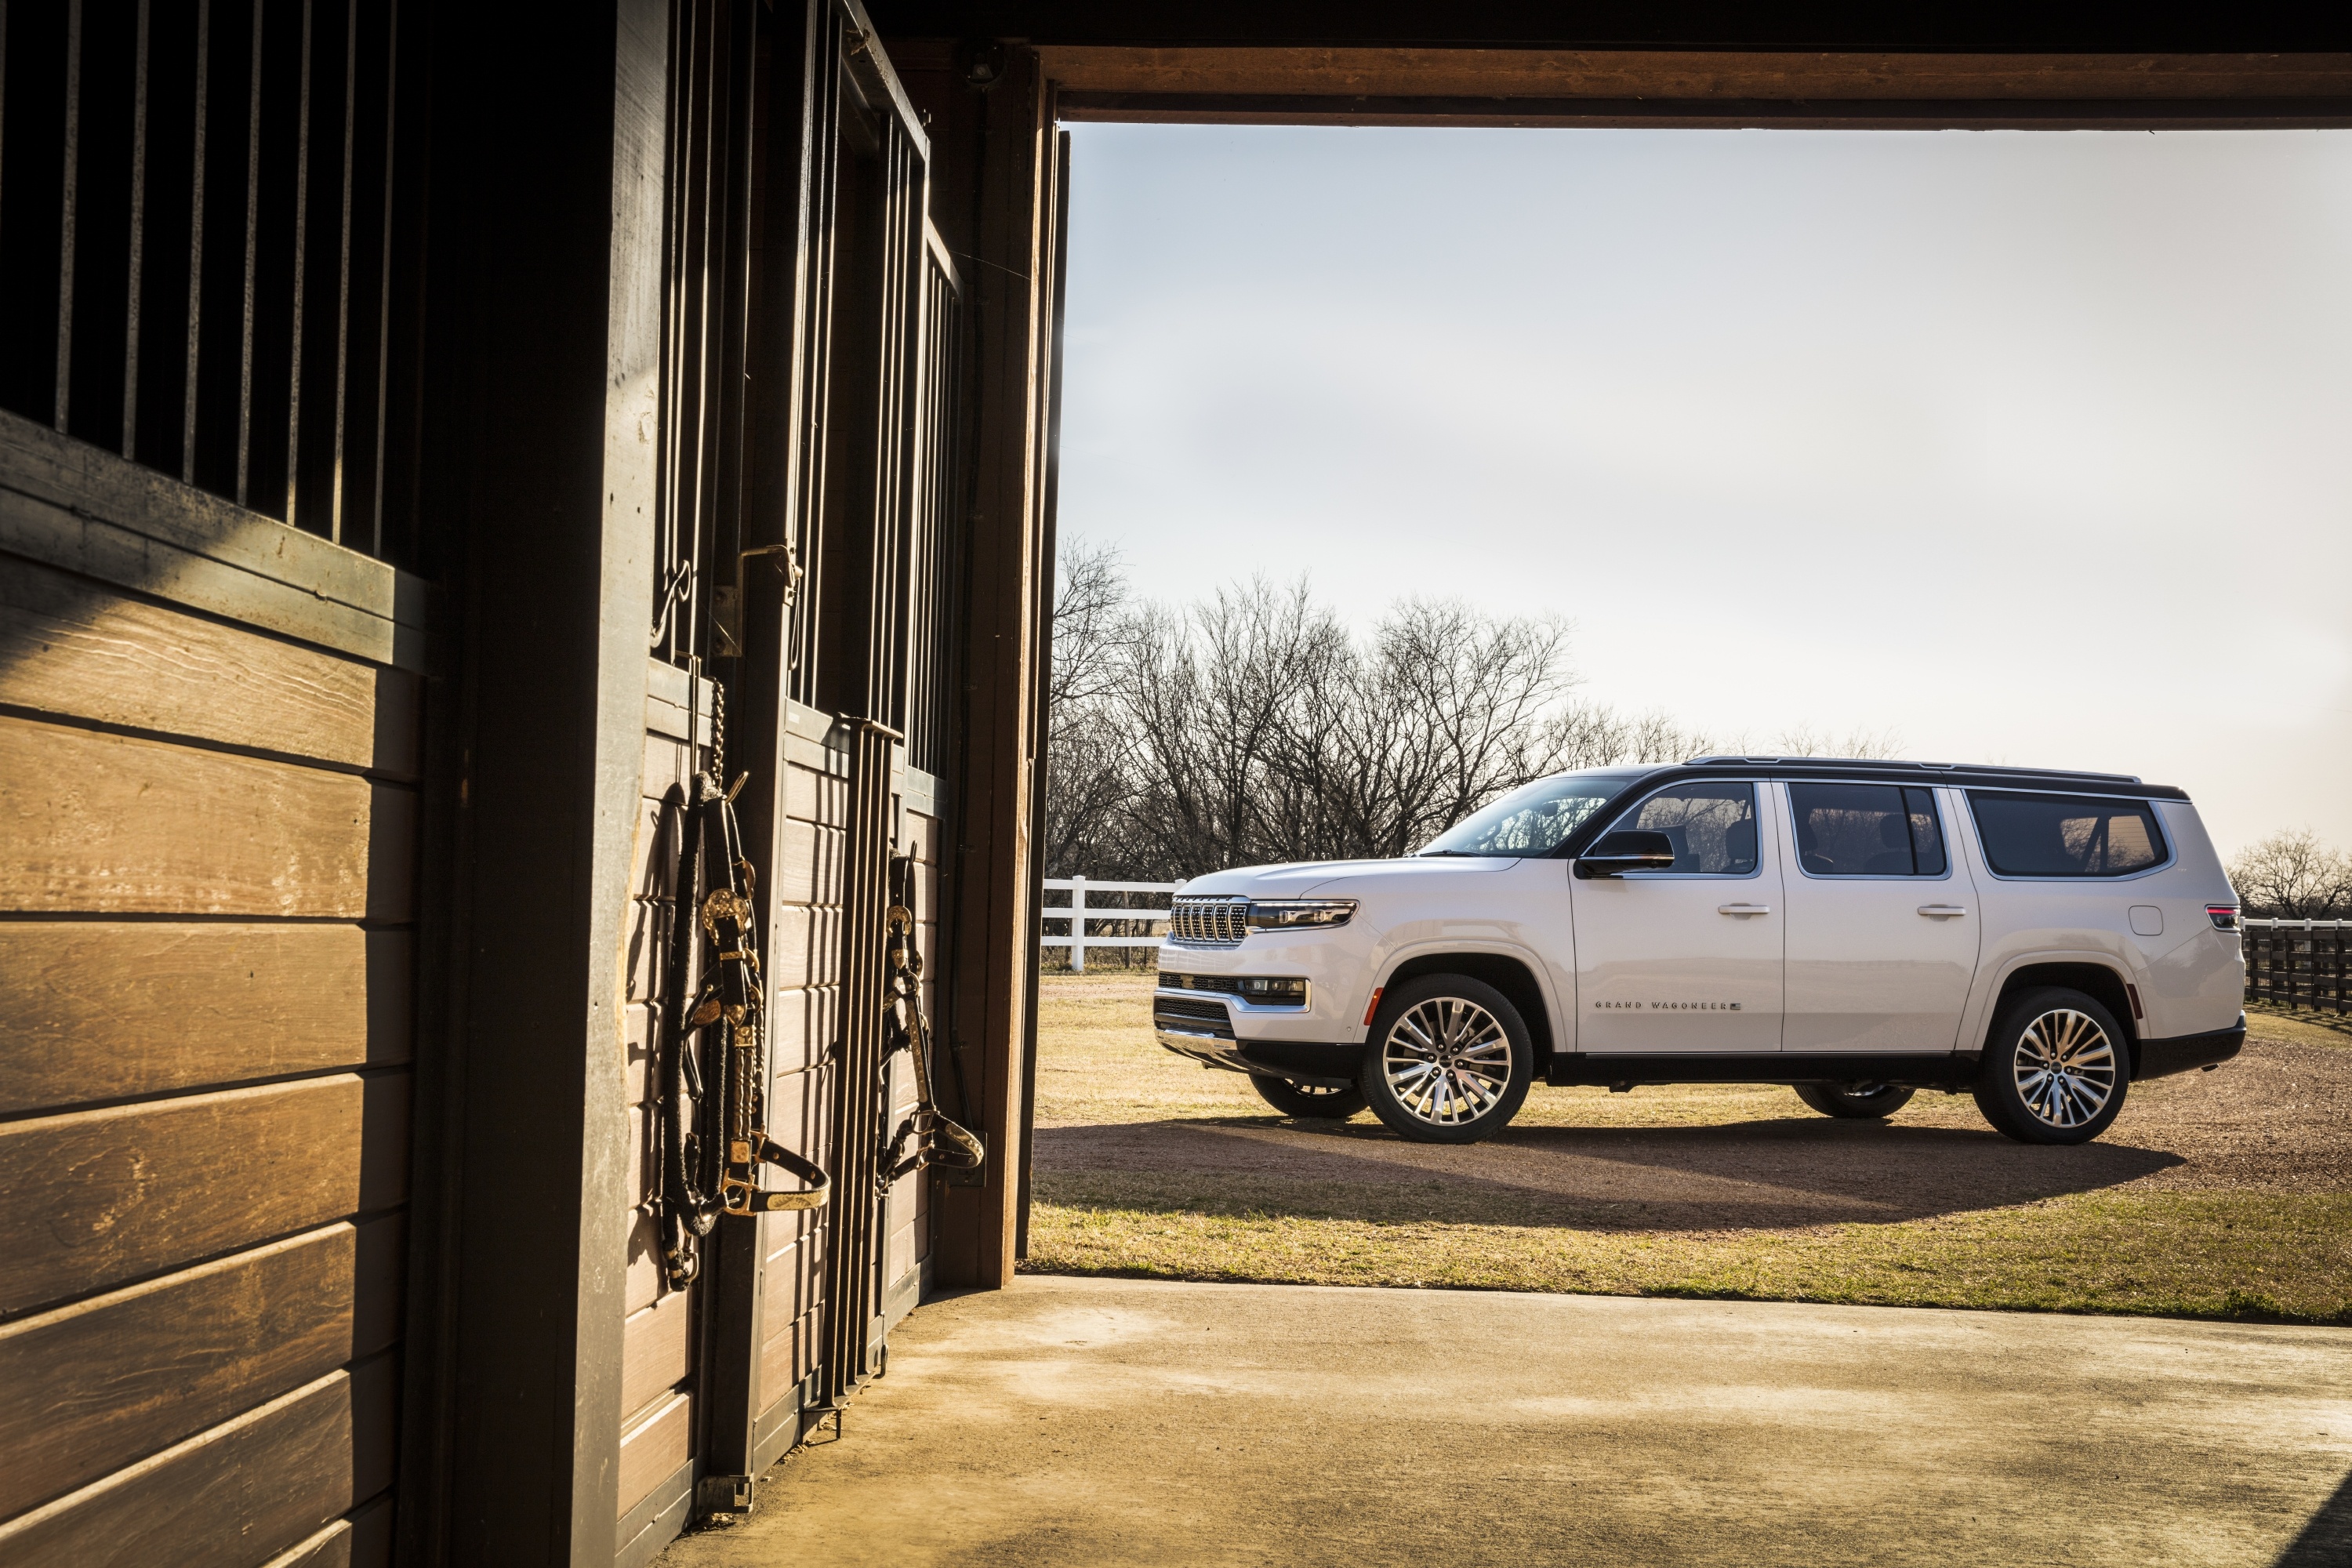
1327, 1066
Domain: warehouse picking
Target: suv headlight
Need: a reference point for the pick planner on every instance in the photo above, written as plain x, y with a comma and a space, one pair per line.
1298, 914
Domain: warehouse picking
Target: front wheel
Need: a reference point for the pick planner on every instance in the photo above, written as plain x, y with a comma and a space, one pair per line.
1854, 1101
2054, 1070
1317, 1102
1449, 1060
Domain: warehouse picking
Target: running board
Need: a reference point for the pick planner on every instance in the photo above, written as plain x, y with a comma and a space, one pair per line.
1917, 1069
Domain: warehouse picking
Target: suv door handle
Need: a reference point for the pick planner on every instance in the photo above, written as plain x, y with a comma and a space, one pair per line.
1743, 908
1942, 911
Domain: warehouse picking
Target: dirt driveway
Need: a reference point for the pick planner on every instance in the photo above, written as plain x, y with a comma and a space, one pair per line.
2227, 1192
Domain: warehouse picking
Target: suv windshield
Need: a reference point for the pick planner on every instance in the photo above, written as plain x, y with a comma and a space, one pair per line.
1532, 820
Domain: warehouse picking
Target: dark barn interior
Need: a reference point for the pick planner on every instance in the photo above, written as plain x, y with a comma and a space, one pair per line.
430, 437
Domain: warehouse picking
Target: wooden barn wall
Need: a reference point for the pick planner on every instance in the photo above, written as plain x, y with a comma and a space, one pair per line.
804, 969
658, 1337
209, 754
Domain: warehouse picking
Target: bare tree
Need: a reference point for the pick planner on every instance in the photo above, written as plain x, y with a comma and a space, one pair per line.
2294, 875
1088, 739
1254, 727
1804, 740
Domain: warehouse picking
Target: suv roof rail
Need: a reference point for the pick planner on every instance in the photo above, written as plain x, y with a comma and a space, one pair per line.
1888, 764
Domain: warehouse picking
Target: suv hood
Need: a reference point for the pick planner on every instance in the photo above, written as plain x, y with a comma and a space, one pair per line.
1307, 879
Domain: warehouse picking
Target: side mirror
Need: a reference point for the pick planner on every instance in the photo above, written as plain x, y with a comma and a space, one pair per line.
1617, 853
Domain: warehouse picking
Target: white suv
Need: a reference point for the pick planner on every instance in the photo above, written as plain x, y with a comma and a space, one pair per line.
1857, 929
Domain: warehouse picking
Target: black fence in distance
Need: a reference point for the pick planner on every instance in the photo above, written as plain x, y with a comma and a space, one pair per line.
2298, 963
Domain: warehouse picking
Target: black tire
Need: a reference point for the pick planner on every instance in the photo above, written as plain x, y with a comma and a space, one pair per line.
1308, 1099
1856, 1101
2054, 1027
1476, 1070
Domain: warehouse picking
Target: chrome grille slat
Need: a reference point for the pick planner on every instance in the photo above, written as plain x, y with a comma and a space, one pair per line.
1200, 921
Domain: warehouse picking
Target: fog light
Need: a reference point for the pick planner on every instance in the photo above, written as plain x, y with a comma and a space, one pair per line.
1271, 992
2223, 916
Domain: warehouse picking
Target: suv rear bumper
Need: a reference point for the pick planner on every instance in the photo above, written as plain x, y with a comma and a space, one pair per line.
2186, 1053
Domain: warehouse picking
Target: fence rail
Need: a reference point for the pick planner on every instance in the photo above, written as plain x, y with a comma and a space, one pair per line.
2298, 963
1077, 916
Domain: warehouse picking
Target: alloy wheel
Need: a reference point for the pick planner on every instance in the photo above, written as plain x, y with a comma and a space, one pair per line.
2065, 1067
1447, 1061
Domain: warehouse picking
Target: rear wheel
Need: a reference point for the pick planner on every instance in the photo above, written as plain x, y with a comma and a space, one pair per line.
1320, 1101
2055, 1069
1449, 1060
1854, 1101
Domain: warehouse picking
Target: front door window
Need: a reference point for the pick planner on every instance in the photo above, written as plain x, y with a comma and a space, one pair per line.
1686, 959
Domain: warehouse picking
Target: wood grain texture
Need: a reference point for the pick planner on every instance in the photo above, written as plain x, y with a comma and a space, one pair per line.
656, 1351
98, 1197
788, 1357
112, 823
73, 647
73, 505
655, 1447
1456, 73
91, 1388
642, 1284
235, 1495
105, 1011
363, 1540
791, 1282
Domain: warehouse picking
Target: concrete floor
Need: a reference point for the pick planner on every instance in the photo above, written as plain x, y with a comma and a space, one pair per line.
1088, 1421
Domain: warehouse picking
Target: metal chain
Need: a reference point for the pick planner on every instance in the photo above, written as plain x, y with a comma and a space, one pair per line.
718, 732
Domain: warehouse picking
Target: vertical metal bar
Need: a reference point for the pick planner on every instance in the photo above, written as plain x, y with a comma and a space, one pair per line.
196, 243
252, 240
343, 269
301, 238
383, 274
67, 215
4, 83
137, 240
1078, 925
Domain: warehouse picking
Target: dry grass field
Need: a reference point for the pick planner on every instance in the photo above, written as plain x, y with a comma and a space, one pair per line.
2215, 1194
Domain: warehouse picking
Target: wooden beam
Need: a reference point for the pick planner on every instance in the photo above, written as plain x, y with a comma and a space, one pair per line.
993, 183
1691, 75
1550, 87
72, 505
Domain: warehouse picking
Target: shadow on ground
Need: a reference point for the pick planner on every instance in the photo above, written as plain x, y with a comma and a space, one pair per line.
1774, 1173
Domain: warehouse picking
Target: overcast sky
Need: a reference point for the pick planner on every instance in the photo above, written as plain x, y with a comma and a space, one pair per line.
2030, 448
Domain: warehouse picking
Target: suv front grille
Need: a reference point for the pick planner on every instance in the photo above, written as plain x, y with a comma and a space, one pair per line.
1208, 923
1186, 1013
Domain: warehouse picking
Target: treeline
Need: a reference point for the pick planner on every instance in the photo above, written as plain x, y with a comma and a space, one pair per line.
1256, 727
2294, 875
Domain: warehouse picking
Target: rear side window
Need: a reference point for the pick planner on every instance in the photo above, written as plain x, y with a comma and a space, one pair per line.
1712, 825
2066, 835
1866, 830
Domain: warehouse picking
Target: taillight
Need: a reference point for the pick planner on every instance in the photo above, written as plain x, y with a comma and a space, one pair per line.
2223, 916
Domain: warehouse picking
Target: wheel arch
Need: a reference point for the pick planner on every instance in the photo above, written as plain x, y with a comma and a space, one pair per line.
1513, 976
2103, 982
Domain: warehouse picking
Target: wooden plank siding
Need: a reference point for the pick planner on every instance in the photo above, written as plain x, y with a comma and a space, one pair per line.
658, 1408
806, 965
105, 1010
237, 1494
210, 743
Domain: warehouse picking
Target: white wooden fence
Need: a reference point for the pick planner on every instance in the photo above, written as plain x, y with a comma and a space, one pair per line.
1077, 916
